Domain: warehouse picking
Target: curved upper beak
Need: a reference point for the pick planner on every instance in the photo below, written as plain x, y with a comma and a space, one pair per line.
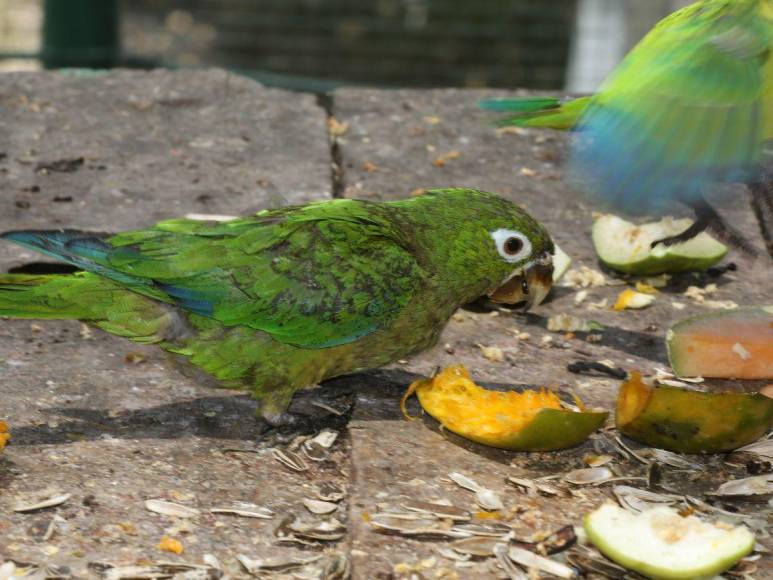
530, 285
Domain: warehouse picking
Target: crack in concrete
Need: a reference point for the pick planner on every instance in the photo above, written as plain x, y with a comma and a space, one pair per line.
337, 176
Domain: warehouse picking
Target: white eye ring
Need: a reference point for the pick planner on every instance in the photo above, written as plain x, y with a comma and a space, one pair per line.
512, 246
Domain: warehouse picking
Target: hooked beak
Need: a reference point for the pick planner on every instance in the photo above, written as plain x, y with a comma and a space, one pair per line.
530, 285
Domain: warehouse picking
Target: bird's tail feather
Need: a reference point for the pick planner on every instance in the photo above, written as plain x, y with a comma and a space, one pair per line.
543, 112
48, 296
88, 297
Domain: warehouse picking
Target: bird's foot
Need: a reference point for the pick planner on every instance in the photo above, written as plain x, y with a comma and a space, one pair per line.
707, 218
762, 204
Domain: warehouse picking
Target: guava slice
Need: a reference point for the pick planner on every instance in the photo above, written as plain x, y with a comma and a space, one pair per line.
688, 421
561, 263
732, 344
626, 247
660, 543
532, 420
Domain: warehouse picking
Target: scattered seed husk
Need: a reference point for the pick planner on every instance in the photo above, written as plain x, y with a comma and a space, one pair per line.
319, 507
490, 529
161, 570
337, 568
750, 486
597, 460
589, 476
326, 530
504, 561
314, 452
43, 504
556, 542
438, 510
488, 500
531, 560
246, 511
479, 546
707, 507
452, 555
330, 491
639, 500
669, 458
167, 508
591, 562
414, 525
212, 561
534, 486
290, 459
326, 438
763, 448
277, 564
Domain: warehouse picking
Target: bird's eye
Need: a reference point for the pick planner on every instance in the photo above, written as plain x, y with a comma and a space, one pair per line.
513, 246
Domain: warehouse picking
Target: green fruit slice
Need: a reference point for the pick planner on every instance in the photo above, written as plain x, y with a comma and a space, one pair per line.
688, 421
626, 247
519, 421
659, 543
733, 344
561, 263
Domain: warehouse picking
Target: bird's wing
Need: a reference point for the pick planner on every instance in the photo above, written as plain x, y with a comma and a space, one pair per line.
542, 112
686, 107
313, 277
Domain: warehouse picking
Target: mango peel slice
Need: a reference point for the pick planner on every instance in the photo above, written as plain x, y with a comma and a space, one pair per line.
687, 421
4, 435
527, 421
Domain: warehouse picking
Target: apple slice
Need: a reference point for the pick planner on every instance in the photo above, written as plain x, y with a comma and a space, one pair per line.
660, 543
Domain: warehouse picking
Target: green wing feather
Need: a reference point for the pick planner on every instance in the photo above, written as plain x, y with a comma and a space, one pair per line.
544, 113
685, 108
318, 276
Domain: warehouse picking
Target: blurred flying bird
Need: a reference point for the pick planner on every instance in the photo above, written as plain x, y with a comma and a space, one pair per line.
690, 105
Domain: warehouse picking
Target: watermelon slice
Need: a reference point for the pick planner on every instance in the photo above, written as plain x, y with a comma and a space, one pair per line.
732, 344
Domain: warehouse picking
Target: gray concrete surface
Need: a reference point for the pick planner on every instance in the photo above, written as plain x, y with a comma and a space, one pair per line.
112, 424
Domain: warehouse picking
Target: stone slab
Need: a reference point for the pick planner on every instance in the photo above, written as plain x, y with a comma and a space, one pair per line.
98, 417
398, 142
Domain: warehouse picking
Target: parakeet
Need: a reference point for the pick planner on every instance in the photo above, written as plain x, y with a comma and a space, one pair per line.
691, 104
289, 297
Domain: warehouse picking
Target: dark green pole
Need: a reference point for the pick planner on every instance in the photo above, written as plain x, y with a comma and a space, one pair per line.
80, 33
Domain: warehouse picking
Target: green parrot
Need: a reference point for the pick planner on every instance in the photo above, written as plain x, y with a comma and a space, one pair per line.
690, 105
289, 297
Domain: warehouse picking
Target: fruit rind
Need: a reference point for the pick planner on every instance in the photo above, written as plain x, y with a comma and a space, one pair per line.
625, 247
732, 344
659, 543
526, 421
688, 421
550, 430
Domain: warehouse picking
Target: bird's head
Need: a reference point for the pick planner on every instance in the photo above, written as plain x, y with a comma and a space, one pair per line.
488, 246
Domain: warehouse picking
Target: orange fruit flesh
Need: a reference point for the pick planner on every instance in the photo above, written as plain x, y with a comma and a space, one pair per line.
744, 354
463, 407
633, 399
4, 436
